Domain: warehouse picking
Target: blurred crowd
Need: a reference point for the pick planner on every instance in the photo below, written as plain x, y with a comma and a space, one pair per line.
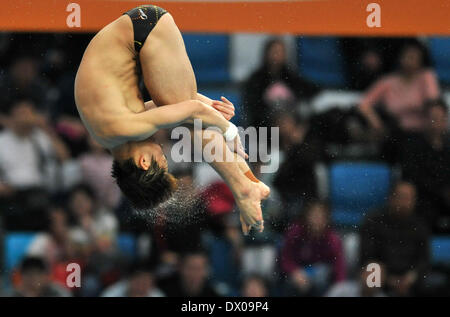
55, 182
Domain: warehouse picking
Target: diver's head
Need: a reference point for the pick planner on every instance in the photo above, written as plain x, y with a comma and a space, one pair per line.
140, 170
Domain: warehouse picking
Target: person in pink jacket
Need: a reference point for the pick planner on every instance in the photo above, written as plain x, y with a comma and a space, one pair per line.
402, 93
312, 255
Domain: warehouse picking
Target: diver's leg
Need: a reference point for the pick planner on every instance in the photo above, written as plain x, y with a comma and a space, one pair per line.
167, 71
169, 78
248, 193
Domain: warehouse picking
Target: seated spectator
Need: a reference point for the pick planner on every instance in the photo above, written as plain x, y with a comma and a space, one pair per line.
312, 255
369, 68
192, 279
357, 287
425, 161
398, 240
73, 133
140, 282
96, 172
254, 286
295, 179
98, 224
60, 77
23, 79
402, 94
35, 280
95, 236
56, 69
223, 241
274, 86
26, 173
176, 228
54, 245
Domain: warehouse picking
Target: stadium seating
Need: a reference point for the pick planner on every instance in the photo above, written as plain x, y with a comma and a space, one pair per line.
440, 54
321, 61
15, 246
440, 250
127, 245
355, 189
209, 55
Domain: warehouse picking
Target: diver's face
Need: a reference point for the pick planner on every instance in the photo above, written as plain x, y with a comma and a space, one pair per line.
145, 151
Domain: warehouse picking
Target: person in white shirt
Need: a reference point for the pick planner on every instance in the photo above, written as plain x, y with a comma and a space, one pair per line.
27, 146
140, 283
29, 151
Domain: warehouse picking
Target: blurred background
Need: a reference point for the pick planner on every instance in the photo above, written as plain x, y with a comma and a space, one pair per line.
363, 174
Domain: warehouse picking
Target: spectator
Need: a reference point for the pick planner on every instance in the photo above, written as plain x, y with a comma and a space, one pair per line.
223, 241
35, 281
53, 245
28, 136
177, 228
229, 252
139, 283
358, 287
97, 224
295, 179
23, 80
397, 239
254, 286
312, 255
95, 235
61, 100
273, 86
26, 167
60, 78
403, 93
425, 161
369, 69
57, 245
96, 172
192, 278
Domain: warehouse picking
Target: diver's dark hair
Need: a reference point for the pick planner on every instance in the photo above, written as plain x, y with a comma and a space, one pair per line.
144, 189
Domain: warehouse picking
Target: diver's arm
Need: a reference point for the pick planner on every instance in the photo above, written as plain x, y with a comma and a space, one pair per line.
137, 126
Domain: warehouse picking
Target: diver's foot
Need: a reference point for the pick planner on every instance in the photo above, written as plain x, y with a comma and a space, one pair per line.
249, 204
265, 190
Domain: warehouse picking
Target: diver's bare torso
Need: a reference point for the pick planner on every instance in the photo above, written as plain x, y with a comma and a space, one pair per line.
106, 85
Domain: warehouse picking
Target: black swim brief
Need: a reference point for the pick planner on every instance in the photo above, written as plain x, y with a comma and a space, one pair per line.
144, 19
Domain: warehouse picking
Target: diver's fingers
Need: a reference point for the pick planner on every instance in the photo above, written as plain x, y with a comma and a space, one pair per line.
219, 105
226, 101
